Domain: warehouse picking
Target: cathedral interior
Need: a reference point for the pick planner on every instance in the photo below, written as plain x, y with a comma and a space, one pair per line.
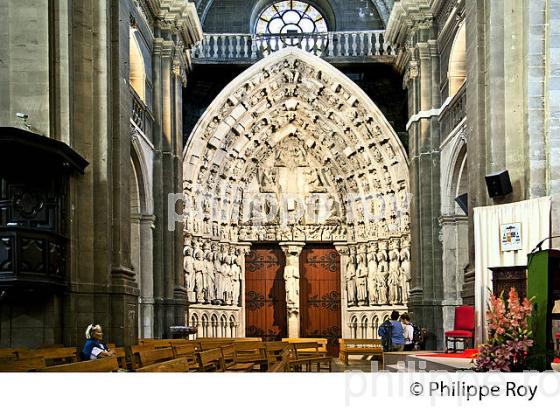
270, 168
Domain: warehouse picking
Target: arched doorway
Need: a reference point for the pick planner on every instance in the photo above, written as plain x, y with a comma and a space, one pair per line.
293, 153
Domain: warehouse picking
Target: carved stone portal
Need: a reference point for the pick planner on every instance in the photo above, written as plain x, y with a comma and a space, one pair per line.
296, 153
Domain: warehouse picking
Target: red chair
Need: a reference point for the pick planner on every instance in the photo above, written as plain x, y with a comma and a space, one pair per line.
463, 331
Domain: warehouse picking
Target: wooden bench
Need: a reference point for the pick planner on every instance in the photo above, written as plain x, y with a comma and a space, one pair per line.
322, 342
251, 352
120, 352
148, 357
178, 365
278, 359
105, 364
187, 351
11, 352
52, 356
22, 365
211, 360
362, 347
311, 353
230, 360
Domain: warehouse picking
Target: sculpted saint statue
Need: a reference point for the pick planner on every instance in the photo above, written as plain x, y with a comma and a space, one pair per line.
291, 277
393, 279
361, 281
210, 276
373, 292
188, 266
351, 279
405, 274
199, 269
236, 280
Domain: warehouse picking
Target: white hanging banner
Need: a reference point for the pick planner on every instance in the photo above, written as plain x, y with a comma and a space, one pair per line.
503, 236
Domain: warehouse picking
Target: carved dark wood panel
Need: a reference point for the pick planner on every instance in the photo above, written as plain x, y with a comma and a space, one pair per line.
505, 278
320, 295
265, 296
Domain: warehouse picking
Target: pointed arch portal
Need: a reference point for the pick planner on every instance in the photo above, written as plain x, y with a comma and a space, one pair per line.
293, 152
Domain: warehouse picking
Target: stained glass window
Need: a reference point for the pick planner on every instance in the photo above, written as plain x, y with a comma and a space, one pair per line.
291, 17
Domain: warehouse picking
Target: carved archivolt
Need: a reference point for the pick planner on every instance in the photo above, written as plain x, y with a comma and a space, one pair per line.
292, 150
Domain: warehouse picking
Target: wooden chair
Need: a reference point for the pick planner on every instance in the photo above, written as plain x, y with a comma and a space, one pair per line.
105, 364
22, 365
178, 365
463, 329
211, 360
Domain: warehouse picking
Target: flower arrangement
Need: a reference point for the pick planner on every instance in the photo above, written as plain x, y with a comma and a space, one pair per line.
509, 336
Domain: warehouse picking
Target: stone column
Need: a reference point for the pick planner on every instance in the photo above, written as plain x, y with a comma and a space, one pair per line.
426, 291
146, 276
342, 249
244, 249
292, 251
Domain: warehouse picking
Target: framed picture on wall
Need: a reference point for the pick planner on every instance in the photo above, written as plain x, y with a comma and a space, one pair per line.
510, 237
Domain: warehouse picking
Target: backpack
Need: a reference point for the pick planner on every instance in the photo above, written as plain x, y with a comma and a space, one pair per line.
386, 339
417, 334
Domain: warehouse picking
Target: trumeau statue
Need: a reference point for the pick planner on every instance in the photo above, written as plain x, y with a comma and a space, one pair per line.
291, 278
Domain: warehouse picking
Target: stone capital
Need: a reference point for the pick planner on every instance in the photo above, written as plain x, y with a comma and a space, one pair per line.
292, 248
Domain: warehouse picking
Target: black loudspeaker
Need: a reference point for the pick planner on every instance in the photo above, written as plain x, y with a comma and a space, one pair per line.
463, 202
498, 184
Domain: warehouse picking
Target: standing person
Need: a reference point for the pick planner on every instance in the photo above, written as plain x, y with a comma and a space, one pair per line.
393, 330
408, 332
93, 348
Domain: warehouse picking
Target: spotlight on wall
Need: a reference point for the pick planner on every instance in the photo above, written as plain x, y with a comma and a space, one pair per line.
498, 184
463, 202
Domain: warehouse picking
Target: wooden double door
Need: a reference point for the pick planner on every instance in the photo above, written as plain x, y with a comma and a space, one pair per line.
265, 297
319, 294
265, 294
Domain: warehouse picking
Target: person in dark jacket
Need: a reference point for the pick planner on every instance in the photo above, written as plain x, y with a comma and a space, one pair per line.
94, 348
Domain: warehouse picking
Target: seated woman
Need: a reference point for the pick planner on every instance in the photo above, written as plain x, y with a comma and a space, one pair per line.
93, 348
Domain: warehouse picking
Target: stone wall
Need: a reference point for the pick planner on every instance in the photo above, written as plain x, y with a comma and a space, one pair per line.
68, 69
